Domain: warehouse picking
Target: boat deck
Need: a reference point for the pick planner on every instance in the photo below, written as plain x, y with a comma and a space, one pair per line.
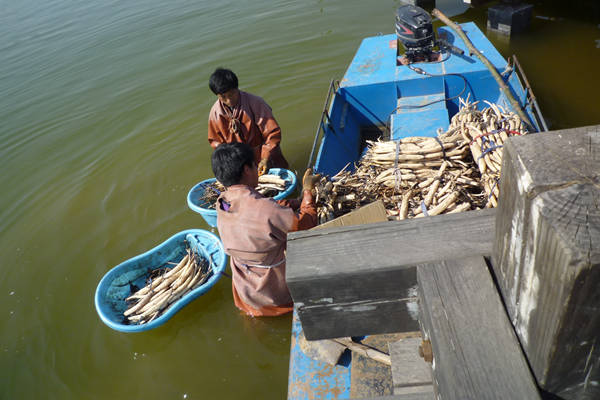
313, 379
357, 376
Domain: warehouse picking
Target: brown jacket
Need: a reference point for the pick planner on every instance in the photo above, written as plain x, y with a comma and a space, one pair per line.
257, 127
254, 231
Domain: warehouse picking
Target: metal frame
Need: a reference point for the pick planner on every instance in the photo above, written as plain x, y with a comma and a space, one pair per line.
537, 113
334, 85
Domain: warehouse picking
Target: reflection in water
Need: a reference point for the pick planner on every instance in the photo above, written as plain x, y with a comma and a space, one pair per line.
451, 7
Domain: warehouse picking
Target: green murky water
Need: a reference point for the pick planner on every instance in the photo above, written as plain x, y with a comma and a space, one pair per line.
103, 113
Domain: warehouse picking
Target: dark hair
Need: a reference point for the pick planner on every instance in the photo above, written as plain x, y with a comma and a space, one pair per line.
222, 80
228, 162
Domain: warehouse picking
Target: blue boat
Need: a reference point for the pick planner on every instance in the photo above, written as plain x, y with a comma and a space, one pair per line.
124, 279
380, 98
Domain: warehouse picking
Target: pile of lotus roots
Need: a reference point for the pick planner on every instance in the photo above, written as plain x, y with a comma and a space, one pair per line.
458, 170
269, 185
165, 286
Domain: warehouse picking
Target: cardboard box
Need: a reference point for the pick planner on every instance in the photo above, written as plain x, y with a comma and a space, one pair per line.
369, 214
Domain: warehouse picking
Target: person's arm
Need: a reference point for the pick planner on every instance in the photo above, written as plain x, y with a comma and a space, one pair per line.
271, 133
306, 218
215, 137
268, 126
294, 204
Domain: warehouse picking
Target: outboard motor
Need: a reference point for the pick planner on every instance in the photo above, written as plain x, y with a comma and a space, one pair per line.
415, 31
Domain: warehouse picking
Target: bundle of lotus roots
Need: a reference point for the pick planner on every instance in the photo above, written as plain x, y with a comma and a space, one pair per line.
421, 176
486, 131
269, 185
165, 286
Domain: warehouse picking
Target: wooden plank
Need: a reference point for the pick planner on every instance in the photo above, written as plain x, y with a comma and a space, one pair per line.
332, 273
547, 255
349, 250
359, 318
410, 372
476, 354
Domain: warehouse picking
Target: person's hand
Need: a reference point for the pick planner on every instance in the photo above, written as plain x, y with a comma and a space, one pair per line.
262, 166
309, 180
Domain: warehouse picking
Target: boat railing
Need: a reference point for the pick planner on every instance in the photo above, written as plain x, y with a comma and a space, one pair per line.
325, 119
530, 97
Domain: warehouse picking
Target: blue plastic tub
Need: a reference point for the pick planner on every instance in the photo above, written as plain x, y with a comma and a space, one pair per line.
210, 214
116, 285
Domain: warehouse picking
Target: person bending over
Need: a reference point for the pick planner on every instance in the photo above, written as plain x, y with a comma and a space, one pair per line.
254, 230
242, 117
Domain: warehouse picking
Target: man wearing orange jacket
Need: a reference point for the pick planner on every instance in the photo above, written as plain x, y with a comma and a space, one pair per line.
242, 117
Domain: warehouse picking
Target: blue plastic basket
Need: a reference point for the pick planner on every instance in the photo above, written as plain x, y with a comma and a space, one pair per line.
116, 285
210, 214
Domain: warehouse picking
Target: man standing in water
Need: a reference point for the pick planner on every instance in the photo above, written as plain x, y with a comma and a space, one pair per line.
242, 117
254, 230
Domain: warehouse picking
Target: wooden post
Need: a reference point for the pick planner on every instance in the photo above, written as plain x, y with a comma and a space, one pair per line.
547, 255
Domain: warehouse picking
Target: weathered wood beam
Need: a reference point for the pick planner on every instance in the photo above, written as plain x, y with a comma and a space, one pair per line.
359, 318
547, 255
410, 372
358, 277
476, 354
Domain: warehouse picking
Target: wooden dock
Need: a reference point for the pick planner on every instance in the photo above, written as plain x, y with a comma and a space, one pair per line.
507, 301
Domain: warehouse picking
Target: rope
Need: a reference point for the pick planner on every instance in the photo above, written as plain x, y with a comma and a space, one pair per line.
483, 135
492, 189
442, 146
235, 125
493, 147
424, 208
397, 173
397, 154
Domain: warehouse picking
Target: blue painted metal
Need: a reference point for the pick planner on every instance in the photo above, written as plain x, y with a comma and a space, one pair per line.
424, 123
419, 116
312, 379
371, 63
117, 284
374, 86
210, 214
